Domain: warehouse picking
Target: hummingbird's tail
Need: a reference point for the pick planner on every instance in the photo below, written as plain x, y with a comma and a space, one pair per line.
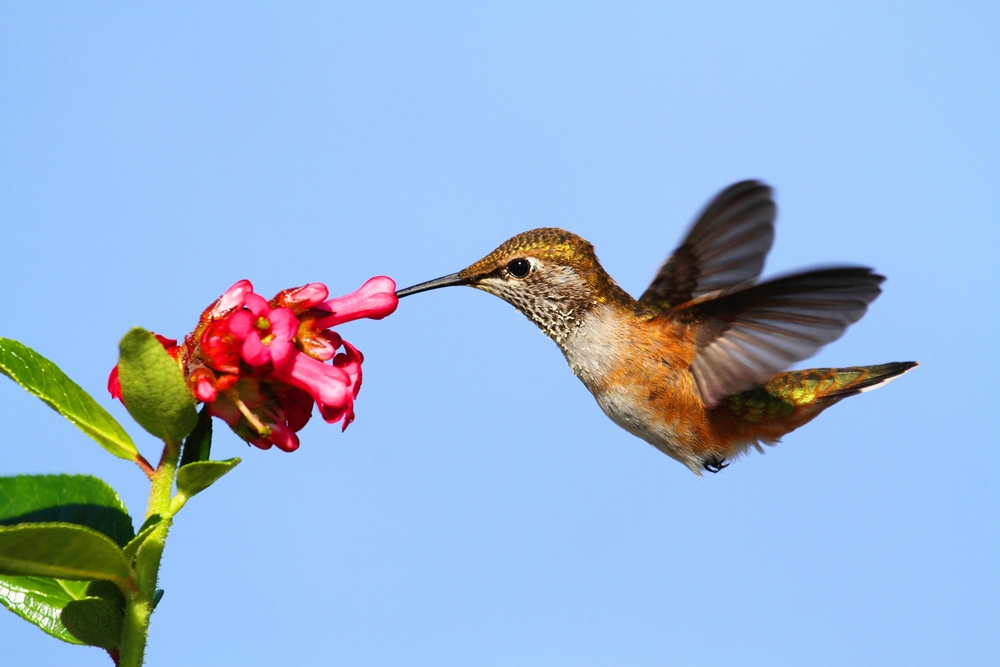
789, 400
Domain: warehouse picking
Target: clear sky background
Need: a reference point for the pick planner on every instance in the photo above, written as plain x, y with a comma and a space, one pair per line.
482, 510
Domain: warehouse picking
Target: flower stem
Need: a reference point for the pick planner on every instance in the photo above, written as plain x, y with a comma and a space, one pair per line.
140, 606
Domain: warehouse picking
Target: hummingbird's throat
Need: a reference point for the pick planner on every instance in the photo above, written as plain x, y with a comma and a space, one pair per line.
554, 298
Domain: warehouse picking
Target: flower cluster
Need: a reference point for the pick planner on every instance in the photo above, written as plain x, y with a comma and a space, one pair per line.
261, 365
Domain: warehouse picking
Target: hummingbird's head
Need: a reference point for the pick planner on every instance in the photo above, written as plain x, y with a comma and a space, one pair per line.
549, 274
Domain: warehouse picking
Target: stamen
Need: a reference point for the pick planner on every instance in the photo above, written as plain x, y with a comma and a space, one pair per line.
258, 425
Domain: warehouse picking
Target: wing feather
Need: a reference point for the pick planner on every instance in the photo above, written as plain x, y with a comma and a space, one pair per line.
747, 334
726, 246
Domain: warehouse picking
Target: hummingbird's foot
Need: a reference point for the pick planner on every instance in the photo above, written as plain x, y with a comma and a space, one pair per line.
715, 464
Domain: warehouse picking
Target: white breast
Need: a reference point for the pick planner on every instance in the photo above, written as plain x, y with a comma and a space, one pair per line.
599, 345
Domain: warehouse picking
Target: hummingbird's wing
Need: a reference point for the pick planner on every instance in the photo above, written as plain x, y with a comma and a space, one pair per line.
745, 335
725, 247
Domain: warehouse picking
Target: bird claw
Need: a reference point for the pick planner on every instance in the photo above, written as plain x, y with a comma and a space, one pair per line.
715, 465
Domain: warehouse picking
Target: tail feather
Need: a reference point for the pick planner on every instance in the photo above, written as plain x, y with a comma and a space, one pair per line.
860, 379
789, 400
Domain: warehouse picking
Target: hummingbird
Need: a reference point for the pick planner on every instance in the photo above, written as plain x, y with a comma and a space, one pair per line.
697, 365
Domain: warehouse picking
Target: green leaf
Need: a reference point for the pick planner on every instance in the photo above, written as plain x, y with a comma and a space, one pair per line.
108, 591
61, 550
42, 378
153, 387
145, 531
196, 477
79, 499
198, 445
94, 621
40, 600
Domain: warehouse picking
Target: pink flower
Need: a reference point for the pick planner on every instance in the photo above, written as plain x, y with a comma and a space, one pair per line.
375, 300
261, 365
267, 333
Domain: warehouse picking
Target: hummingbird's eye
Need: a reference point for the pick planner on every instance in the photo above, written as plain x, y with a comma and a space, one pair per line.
519, 268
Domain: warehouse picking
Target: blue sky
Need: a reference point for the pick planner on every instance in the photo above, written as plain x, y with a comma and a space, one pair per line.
482, 510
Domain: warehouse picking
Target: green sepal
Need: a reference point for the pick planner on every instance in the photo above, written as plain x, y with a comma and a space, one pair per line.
145, 531
61, 550
94, 621
198, 476
40, 601
198, 445
81, 499
42, 378
153, 387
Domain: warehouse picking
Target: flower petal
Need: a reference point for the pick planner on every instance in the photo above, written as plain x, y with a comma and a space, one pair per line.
350, 362
205, 392
284, 326
202, 382
225, 409
220, 347
326, 384
301, 299
318, 347
375, 300
115, 385
348, 418
231, 298
254, 352
332, 414
241, 323
298, 406
283, 437
169, 344
257, 304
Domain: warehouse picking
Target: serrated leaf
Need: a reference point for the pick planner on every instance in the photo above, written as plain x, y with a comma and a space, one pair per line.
94, 621
40, 600
60, 550
145, 531
196, 477
198, 445
42, 378
80, 499
153, 387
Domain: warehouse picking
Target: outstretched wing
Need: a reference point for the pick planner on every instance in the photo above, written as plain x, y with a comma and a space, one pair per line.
725, 247
746, 335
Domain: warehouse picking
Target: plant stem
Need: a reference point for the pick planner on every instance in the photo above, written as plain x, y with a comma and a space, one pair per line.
140, 606
144, 465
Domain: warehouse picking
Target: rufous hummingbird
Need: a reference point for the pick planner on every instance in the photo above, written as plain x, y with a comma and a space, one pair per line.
694, 366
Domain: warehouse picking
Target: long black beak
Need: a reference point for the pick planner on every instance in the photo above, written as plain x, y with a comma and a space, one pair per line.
445, 281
